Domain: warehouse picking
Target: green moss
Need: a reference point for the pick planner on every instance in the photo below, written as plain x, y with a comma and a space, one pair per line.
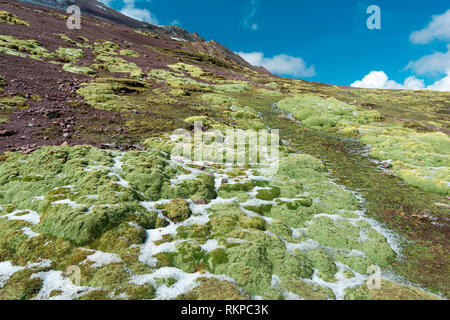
202, 188
129, 53
388, 291
214, 289
306, 290
268, 194
69, 54
252, 264
346, 236
224, 219
245, 114
193, 71
116, 64
110, 277
324, 114
357, 263
23, 48
66, 38
218, 101
96, 295
85, 219
192, 120
10, 102
252, 223
189, 257
272, 85
76, 69
177, 210
324, 263
234, 87
233, 189
294, 217
106, 47
36, 97
20, 286
119, 239
146, 220
421, 159
199, 233
159, 144
9, 18
216, 257
78, 225
117, 94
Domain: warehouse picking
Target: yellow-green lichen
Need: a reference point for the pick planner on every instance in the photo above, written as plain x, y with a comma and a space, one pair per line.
9, 18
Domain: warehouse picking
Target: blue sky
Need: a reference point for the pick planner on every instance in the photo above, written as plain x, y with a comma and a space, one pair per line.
321, 40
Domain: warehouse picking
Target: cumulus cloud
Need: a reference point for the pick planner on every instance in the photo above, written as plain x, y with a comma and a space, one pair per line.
281, 64
437, 29
441, 85
130, 10
437, 62
380, 80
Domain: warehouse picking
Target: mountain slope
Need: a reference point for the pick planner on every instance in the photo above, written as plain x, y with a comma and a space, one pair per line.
90, 180
97, 9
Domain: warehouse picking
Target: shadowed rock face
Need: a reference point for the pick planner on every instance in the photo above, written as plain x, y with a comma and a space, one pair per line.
88, 178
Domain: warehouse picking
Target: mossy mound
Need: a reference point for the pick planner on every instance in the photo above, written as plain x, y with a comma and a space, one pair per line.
177, 210
325, 114
23, 48
106, 47
9, 18
67, 179
218, 101
77, 69
129, 53
2, 82
214, 289
201, 188
388, 291
111, 94
421, 159
193, 71
69, 54
117, 64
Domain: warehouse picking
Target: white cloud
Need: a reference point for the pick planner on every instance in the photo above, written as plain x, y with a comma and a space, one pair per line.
175, 23
250, 13
441, 85
281, 64
380, 80
437, 62
438, 28
130, 10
